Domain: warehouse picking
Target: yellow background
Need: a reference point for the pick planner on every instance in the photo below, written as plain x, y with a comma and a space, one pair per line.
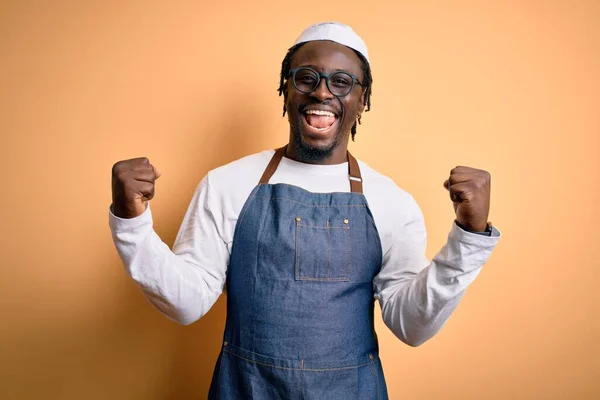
508, 86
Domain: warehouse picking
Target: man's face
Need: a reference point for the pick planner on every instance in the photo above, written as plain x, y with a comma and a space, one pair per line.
316, 135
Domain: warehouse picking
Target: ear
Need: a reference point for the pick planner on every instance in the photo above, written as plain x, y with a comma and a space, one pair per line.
363, 103
285, 97
286, 93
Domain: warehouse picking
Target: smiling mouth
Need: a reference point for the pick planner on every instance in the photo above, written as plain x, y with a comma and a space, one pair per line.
319, 120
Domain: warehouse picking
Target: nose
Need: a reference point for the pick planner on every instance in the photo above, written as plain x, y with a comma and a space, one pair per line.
322, 92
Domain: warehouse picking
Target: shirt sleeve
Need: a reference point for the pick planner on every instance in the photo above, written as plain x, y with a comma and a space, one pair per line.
417, 296
184, 283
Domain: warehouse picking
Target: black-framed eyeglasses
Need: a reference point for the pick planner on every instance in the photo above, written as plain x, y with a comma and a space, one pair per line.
339, 83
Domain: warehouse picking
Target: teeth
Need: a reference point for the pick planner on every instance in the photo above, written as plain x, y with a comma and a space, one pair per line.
320, 112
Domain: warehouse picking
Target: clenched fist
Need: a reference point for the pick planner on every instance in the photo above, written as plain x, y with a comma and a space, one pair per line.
132, 186
470, 192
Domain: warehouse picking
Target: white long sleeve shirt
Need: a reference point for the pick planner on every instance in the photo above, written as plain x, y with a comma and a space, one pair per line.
416, 296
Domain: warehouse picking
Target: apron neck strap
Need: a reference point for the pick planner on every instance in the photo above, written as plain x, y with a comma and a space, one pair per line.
272, 167
353, 170
354, 175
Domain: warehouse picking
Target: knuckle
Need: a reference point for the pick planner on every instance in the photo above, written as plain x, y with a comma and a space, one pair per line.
146, 186
117, 167
121, 176
484, 179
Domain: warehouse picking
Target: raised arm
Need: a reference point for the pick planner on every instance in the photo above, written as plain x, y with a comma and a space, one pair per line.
417, 296
184, 283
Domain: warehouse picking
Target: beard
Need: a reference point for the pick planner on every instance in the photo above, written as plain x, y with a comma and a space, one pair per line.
306, 152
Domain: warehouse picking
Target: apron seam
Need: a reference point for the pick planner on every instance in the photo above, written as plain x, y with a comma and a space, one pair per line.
311, 205
374, 370
255, 272
297, 368
246, 210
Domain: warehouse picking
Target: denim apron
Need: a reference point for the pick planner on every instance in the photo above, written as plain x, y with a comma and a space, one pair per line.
300, 296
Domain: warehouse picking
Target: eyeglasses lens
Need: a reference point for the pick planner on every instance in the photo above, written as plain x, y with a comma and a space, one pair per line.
306, 80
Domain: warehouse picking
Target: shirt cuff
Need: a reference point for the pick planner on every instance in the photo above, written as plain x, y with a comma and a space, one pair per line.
473, 238
120, 224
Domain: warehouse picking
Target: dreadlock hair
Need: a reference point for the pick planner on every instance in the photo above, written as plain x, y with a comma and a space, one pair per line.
366, 83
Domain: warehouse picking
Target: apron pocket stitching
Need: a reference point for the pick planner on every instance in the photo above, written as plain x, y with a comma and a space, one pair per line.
347, 240
343, 270
297, 250
328, 250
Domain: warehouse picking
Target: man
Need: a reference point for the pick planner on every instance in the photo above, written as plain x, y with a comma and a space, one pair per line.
305, 238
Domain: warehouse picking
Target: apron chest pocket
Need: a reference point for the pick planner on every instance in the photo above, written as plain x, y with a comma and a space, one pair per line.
322, 250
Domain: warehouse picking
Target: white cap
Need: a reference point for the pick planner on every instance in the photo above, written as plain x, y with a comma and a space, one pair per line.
336, 32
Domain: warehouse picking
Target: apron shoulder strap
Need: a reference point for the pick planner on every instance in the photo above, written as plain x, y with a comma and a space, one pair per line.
272, 166
354, 175
353, 170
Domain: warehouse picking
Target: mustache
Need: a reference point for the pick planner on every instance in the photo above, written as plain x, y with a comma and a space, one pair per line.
339, 110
